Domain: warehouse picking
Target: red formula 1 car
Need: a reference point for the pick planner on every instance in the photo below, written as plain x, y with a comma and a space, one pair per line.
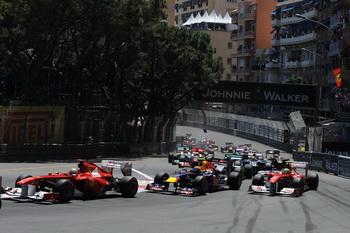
288, 181
88, 180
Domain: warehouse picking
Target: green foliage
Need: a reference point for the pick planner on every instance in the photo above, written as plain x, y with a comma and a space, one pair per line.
117, 47
294, 79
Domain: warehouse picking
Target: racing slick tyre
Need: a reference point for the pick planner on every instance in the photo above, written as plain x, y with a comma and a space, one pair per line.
258, 180
65, 190
239, 169
268, 166
128, 186
21, 177
248, 171
234, 180
160, 178
170, 157
202, 184
298, 183
312, 180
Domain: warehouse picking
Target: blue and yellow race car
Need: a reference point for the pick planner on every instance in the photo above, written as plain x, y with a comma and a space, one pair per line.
207, 177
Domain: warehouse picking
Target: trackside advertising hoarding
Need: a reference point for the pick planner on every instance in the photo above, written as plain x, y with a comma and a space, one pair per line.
260, 93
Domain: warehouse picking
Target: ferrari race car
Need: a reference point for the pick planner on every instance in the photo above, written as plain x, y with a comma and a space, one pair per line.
88, 180
210, 176
285, 182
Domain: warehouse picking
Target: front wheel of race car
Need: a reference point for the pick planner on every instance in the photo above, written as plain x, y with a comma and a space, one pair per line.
19, 178
234, 180
312, 180
65, 190
248, 171
129, 186
202, 184
298, 183
258, 180
161, 178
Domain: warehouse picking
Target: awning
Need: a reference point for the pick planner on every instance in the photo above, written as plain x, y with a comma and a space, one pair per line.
275, 11
272, 53
273, 30
289, 8
307, 3
326, 42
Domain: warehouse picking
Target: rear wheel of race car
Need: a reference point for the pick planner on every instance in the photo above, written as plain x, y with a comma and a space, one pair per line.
128, 186
161, 178
234, 180
298, 183
312, 180
170, 157
202, 184
258, 180
65, 190
248, 171
21, 177
268, 166
238, 169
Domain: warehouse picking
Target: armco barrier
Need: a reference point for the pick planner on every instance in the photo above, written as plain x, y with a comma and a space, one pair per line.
344, 166
324, 162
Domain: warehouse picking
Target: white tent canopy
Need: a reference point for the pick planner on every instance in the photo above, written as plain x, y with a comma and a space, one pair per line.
212, 18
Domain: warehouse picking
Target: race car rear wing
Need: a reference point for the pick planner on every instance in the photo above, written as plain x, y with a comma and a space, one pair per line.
109, 165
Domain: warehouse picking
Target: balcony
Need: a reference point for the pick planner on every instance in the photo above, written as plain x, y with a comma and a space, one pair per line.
288, 2
292, 20
308, 63
273, 65
275, 42
336, 21
334, 49
292, 64
243, 53
246, 17
241, 71
276, 22
299, 39
235, 36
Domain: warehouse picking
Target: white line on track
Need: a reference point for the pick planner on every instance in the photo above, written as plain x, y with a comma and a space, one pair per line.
142, 174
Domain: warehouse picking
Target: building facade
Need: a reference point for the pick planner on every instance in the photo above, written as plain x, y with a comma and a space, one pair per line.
310, 40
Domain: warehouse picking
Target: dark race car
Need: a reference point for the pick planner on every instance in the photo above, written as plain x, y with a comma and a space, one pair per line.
253, 163
285, 182
210, 176
225, 148
88, 180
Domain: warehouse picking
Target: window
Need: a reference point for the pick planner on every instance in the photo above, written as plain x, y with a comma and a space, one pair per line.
229, 45
229, 60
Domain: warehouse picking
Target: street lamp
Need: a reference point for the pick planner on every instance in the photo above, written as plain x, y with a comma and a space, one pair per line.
307, 50
318, 22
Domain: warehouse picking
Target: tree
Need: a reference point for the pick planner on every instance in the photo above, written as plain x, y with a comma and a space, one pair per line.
294, 79
172, 63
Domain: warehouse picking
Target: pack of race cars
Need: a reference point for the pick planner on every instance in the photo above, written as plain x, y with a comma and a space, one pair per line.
270, 172
200, 172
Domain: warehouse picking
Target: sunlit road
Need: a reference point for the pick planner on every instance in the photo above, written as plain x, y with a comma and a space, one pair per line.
325, 210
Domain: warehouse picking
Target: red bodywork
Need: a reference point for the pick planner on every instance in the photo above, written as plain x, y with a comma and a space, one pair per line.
90, 178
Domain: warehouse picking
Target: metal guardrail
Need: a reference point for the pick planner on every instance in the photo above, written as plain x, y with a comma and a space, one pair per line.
344, 166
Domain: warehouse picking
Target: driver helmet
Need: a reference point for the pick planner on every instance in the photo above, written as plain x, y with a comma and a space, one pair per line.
286, 171
196, 169
73, 171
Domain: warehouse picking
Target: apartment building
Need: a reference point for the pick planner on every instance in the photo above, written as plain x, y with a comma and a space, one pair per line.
310, 39
180, 11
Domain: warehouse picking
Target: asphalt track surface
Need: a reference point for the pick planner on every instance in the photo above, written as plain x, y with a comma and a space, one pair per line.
325, 210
